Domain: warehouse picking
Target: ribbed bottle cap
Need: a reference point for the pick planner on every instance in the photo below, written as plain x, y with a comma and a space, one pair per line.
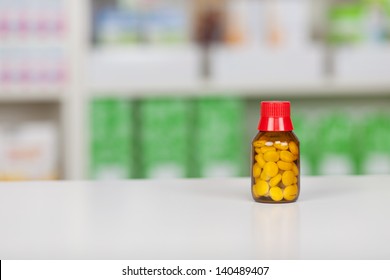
275, 116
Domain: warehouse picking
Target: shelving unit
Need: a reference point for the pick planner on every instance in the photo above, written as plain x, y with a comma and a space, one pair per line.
315, 77
30, 95
324, 89
114, 72
60, 104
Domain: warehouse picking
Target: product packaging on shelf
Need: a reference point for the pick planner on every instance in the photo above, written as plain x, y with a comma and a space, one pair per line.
164, 137
287, 24
219, 149
167, 24
243, 23
275, 24
29, 151
32, 51
363, 22
376, 21
346, 22
112, 153
343, 144
360, 31
116, 27
337, 142
261, 38
135, 22
375, 144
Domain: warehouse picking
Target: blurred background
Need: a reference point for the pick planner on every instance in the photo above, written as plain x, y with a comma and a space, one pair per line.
114, 89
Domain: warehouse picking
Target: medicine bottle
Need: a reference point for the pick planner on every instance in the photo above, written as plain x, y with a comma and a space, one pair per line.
275, 169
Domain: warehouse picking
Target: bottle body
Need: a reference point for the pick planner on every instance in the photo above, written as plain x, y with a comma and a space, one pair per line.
275, 167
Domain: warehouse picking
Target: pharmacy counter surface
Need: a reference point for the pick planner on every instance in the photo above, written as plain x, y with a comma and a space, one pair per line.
335, 218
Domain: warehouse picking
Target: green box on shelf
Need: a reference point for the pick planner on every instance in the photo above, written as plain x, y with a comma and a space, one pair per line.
111, 137
164, 137
220, 149
375, 144
346, 22
337, 142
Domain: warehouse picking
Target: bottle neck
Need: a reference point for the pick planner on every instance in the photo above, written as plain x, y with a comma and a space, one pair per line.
275, 124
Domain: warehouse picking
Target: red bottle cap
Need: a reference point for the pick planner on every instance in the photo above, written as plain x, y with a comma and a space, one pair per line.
275, 116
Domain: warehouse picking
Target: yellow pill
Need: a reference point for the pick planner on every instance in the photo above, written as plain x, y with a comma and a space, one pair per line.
261, 188
281, 145
264, 176
270, 169
260, 160
284, 165
276, 193
295, 169
267, 149
259, 143
290, 192
288, 178
295, 180
275, 180
271, 156
258, 151
287, 156
293, 148
256, 170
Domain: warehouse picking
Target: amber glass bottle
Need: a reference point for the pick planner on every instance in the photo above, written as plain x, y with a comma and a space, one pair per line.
275, 156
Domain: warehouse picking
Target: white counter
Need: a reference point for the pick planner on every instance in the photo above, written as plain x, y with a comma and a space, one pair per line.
335, 218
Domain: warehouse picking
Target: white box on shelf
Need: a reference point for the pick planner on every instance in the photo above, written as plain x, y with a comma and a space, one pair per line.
362, 65
266, 67
29, 151
144, 68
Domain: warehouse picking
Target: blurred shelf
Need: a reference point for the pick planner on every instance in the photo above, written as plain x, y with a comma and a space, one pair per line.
362, 64
146, 68
21, 95
156, 71
176, 71
327, 88
262, 66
